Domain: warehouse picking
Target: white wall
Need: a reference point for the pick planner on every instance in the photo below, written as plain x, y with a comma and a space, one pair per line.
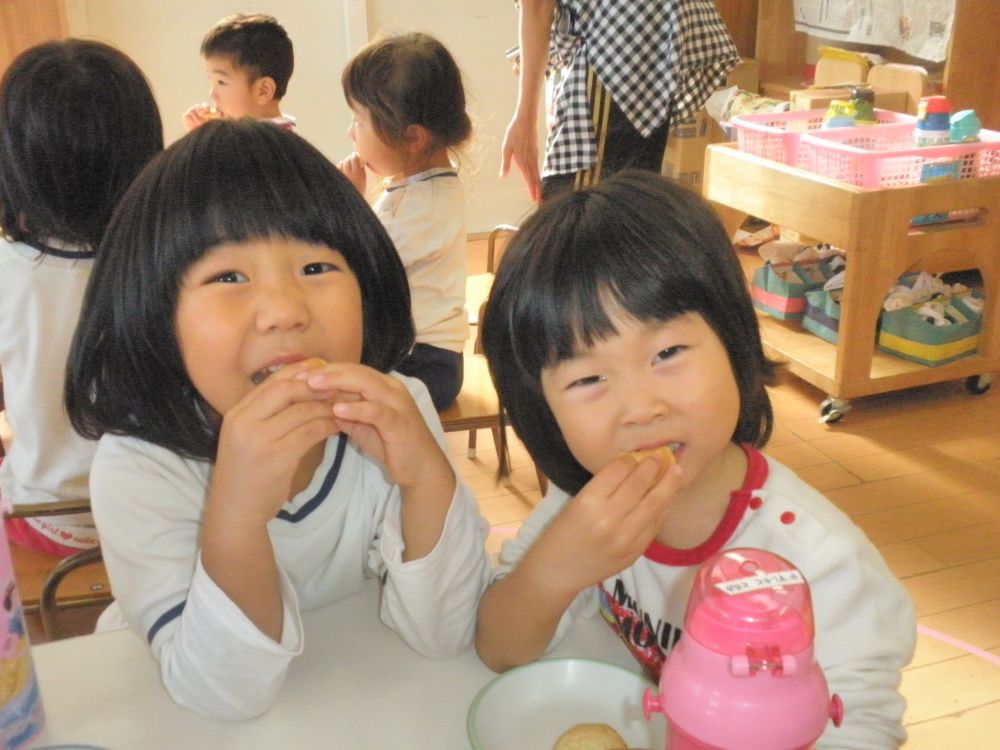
163, 38
477, 32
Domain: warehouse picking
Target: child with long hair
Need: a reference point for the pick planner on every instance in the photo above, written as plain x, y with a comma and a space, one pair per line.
620, 321
257, 454
77, 123
406, 95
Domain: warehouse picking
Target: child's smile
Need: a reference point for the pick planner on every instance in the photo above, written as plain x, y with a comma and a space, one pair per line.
651, 384
246, 310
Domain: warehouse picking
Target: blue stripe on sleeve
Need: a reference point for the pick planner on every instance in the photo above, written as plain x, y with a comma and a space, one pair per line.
171, 614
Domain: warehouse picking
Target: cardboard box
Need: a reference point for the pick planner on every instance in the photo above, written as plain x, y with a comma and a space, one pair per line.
684, 157
885, 98
782, 88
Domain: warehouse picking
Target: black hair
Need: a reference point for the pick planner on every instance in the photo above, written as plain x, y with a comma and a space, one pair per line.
637, 241
77, 123
226, 181
256, 43
409, 79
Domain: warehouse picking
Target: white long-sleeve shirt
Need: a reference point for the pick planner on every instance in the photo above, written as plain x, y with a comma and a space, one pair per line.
342, 529
865, 621
424, 215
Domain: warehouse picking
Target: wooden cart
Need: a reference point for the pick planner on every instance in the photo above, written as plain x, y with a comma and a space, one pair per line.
873, 226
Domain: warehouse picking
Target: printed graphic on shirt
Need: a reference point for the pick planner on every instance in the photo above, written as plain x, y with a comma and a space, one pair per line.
648, 641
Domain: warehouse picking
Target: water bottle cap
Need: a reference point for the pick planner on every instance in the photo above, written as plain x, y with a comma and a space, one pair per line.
749, 598
965, 126
863, 93
933, 105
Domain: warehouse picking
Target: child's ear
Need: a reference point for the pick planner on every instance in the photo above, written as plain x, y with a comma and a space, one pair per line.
265, 88
418, 139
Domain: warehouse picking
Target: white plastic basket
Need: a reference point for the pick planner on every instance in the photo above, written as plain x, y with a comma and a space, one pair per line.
776, 135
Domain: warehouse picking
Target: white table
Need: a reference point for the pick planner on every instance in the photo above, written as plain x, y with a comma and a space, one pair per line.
356, 686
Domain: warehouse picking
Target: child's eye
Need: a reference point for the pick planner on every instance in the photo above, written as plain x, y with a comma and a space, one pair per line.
669, 352
313, 268
589, 380
229, 277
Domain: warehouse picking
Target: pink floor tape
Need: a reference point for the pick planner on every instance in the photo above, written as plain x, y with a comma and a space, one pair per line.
962, 645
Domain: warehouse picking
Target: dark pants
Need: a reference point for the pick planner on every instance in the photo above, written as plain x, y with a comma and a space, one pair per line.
619, 146
441, 370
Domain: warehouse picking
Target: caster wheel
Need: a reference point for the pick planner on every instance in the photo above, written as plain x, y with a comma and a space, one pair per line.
832, 410
977, 385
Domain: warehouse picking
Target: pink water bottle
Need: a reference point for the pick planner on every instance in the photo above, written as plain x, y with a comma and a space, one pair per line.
21, 715
743, 676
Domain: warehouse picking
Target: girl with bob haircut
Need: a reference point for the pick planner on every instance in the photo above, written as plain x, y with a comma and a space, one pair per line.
257, 455
77, 123
408, 104
619, 324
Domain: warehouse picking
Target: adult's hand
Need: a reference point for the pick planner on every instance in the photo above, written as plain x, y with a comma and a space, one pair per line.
520, 144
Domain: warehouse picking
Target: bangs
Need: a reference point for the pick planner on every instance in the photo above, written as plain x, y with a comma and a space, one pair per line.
567, 301
279, 194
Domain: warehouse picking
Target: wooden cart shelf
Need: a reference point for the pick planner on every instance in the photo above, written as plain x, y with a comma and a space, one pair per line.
873, 226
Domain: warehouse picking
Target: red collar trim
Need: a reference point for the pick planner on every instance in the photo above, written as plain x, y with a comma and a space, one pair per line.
738, 501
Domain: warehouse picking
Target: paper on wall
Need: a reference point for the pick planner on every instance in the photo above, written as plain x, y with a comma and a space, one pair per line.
920, 28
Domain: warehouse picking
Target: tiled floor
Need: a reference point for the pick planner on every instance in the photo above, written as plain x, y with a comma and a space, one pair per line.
919, 472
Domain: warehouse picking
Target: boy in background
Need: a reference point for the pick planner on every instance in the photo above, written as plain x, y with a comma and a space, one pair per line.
248, 60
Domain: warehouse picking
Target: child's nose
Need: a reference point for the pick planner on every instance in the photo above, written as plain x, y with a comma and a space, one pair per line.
281, 307
642, 402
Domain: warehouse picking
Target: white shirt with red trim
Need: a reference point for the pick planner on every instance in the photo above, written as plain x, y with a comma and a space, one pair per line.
865, 620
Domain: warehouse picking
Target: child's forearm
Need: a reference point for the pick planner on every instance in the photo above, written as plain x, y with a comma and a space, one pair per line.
425, 508
518, 616
239, 558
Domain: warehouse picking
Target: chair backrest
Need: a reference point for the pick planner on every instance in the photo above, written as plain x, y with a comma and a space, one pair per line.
494, 252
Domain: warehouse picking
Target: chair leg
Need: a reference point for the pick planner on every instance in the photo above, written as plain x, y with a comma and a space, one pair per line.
543, 481
47, 601
471, 451
497, 444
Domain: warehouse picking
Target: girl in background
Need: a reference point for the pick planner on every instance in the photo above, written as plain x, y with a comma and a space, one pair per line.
77, 123
620, 321
408, 103
257, 456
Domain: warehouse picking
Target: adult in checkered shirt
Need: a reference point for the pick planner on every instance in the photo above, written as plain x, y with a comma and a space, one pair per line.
616, 72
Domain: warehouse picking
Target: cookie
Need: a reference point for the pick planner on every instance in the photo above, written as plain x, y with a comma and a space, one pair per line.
590, 737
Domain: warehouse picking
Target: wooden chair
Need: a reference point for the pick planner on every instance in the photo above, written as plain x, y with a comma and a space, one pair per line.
477, 288
477, 406
50, 587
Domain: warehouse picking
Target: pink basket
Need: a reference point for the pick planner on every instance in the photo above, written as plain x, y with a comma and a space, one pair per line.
776, 135
886, 157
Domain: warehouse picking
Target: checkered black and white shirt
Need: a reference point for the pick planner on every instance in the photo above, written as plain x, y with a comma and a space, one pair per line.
649, 54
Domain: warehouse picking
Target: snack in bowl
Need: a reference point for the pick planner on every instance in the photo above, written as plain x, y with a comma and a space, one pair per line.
590, 737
